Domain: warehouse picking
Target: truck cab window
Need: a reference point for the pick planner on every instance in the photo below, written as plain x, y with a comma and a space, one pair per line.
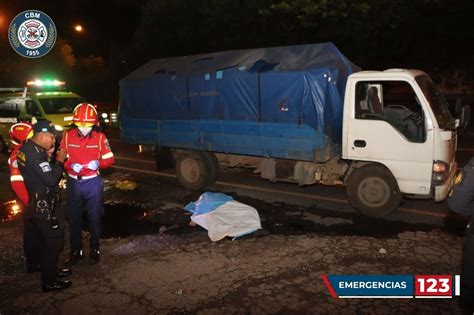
32, 109
394, 102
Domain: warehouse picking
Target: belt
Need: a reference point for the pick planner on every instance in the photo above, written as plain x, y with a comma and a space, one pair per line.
79, 177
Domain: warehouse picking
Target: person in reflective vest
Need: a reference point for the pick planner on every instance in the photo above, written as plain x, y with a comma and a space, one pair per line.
88, 152
461, 200
18, 133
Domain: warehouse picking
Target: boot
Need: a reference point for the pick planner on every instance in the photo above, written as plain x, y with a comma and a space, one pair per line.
56, 286
74, 257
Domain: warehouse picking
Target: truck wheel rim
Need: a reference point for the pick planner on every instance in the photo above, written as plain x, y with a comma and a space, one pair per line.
190, 170
374, 192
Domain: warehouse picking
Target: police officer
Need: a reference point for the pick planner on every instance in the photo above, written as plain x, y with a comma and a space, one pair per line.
41, 179
88, 151
18, 134
461, 200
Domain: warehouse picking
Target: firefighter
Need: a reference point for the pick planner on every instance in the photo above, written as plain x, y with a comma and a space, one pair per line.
88, 152
41, 178
461, 200
18, 134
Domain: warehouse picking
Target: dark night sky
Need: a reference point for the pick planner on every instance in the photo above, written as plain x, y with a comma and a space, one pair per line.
103, 21
436, 36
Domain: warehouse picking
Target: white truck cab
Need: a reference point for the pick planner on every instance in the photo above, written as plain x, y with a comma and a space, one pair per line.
399, 138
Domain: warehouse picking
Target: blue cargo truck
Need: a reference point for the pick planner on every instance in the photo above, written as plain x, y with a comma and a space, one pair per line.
302, 114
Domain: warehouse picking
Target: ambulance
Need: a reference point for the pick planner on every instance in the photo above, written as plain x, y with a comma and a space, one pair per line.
40, 99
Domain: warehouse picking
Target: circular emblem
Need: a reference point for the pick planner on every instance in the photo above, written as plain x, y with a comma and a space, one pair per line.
32, 34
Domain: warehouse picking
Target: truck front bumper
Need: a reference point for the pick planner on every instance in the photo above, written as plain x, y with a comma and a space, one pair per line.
441, 191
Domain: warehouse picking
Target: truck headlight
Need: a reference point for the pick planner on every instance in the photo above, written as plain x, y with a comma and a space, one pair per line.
104, 115
440, 171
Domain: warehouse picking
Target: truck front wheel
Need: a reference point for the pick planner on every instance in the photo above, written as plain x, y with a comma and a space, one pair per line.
192, 170
373, 191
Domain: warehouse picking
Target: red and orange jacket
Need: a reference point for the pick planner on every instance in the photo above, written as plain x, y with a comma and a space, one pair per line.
82, 150
16, 180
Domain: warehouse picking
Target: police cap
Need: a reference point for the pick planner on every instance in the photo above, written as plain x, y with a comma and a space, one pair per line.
43, 125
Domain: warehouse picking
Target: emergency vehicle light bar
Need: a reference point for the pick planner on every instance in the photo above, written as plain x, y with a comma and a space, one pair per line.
39, 83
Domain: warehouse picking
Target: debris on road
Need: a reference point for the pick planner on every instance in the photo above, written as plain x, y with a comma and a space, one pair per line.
222, 216
164, 229
126, 185
382, 251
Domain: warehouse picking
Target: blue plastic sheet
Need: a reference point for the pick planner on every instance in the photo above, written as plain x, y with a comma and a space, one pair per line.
207, 202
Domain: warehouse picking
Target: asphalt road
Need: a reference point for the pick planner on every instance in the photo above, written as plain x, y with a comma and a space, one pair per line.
129, 158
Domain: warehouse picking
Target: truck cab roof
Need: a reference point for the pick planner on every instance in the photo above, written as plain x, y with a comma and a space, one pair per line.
387, 74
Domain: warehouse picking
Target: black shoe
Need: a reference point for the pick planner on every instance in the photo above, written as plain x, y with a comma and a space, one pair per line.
64, 273
33, 268
56, 286
74, 257
94, 257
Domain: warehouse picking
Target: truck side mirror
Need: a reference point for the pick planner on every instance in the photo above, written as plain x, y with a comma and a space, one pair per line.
458, 107
464, 116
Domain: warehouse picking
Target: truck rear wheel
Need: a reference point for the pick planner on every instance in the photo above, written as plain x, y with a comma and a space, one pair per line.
373, 191
192, 170
213, 166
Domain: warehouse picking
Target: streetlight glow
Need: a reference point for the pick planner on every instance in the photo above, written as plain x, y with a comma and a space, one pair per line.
78, 28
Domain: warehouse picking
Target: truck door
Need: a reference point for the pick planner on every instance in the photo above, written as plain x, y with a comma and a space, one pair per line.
387, 125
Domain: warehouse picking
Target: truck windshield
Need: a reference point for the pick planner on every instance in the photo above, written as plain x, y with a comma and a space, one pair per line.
438, 102
63, 105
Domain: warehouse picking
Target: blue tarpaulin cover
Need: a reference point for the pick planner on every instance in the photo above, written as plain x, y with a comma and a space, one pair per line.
207, 202
283, 102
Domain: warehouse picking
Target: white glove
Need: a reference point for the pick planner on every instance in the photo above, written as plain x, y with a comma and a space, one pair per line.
76, 167
93, 165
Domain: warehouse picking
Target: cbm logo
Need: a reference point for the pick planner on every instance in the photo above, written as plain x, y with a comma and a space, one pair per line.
32, 34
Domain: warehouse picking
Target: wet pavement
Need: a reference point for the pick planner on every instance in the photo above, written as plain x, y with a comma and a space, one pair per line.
146, 268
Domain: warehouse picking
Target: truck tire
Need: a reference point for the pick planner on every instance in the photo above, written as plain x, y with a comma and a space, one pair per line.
213, 166
192, 170
373, 191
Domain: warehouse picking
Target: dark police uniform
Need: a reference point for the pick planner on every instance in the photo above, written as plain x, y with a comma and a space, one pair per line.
41, 179
461, 200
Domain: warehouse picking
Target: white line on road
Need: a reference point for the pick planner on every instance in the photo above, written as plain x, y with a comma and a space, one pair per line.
132, 159
294, 194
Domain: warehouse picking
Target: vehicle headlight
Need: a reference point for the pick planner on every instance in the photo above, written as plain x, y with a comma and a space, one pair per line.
440, 171
58, 128
104, 115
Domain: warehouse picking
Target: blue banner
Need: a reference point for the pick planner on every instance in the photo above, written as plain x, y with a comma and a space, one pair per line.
370, 285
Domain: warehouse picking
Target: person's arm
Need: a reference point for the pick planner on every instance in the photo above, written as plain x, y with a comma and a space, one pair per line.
50, 174
106, 155
461, 199
19, 189
16, 180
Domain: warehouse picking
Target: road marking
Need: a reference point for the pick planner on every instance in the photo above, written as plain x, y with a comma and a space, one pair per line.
294, 194
143, 171
132, 159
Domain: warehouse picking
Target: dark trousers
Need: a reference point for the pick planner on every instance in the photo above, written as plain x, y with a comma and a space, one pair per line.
467, 267
31, 244
46, 246
85, 197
